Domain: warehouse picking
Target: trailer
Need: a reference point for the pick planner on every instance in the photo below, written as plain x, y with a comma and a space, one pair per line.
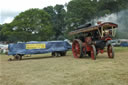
56, 48
91, 40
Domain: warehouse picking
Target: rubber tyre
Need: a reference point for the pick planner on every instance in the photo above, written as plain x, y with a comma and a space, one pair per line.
63, 53
53, 53
17, 57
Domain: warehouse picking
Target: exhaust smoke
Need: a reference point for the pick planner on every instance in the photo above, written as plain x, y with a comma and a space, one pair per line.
120, 18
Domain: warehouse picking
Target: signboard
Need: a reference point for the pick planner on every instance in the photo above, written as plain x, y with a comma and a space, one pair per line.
35, 46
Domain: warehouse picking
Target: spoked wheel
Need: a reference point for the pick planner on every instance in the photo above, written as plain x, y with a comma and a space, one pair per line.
93, 52
77, 48
110, 51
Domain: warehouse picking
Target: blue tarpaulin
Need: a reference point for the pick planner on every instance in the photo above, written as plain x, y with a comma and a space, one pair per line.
124, 44
36, 47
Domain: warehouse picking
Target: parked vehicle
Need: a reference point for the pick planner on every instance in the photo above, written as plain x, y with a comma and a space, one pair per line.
3, 48
115, 43
124, 44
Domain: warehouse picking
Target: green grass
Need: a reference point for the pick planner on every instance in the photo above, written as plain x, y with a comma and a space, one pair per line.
120, 49
46, 70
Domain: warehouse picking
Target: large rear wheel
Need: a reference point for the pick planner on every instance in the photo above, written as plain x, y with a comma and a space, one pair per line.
110, 51
77, 48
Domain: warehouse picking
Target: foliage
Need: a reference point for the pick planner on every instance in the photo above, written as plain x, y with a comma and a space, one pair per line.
58, 20
0, 32
33, 24
83, 11
55, 22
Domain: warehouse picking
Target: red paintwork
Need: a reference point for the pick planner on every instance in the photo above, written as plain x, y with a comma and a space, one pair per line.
87, 44
88, 41
109, 23
88, 47
92, 54
101, 51
109, 50
76, 49
108, 38
99, 22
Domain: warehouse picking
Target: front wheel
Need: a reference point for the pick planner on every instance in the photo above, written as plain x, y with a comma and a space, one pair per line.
110, 51
93, 52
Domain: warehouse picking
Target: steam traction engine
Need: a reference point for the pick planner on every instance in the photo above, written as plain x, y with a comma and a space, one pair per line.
92, 40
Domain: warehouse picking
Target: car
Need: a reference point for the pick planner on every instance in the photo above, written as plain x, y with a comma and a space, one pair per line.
124, 44
115, 42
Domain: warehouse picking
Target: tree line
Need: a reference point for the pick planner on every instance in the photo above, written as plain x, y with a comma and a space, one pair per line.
55, 22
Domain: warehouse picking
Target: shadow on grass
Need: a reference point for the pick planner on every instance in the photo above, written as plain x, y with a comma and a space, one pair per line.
97, 57
42, 57
34, 58
47, 57
37, 57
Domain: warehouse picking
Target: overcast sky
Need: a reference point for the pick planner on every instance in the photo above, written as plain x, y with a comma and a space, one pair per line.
10, 8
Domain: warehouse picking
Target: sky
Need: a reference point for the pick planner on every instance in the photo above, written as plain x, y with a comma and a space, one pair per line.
11, 8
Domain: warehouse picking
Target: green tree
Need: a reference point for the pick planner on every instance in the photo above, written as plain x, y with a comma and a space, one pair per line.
56, 22
0, 32
33, 24
6, 29
1, 36
58, 14
83, 11
79, 12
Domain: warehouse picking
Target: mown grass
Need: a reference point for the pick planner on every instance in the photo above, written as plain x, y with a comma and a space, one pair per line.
120, 49
46, 70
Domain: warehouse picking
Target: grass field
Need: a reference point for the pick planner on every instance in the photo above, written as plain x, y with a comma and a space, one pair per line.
46, 70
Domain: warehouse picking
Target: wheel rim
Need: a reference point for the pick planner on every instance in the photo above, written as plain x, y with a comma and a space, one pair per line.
110, 51
76, 48
93, 52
